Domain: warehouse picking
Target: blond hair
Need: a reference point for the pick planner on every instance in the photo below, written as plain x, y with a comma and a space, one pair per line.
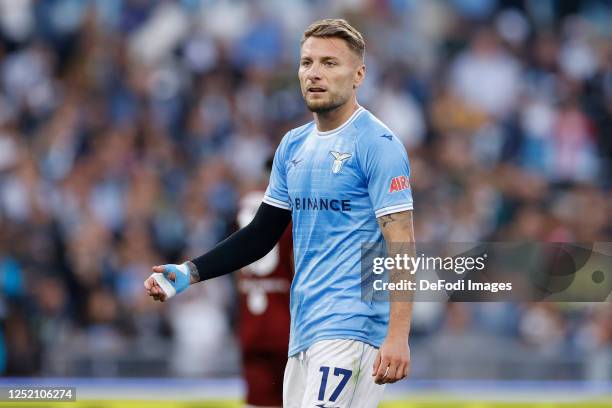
336, 28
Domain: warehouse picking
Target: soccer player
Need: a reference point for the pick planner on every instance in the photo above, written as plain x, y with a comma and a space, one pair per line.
343, 181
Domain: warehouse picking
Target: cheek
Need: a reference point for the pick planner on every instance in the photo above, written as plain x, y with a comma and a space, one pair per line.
301, 75
345, 84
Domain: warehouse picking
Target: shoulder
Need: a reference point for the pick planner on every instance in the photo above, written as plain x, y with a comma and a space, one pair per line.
297, 134
372, 133
304, 129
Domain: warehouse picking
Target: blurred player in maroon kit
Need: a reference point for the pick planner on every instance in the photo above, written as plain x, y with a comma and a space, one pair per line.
264, 314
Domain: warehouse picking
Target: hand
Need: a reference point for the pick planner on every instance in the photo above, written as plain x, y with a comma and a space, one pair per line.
152, 287
393, 360
187, 275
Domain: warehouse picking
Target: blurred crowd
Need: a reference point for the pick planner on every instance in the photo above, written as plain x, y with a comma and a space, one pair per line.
129, 129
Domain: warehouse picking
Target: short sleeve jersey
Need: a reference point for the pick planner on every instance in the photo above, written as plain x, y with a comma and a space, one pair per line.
336, 184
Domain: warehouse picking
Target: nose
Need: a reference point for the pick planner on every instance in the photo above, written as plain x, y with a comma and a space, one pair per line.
313, 72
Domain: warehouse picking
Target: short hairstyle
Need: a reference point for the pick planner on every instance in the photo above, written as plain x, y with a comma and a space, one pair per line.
336, 28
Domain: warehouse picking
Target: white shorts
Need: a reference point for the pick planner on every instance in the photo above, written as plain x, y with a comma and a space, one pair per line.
332, 374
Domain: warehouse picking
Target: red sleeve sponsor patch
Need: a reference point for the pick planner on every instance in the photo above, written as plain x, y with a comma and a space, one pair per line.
399, 183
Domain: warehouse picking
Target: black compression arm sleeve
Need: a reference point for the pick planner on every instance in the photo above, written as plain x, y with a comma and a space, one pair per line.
246, 245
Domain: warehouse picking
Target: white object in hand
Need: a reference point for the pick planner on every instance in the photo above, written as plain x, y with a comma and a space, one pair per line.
165, 284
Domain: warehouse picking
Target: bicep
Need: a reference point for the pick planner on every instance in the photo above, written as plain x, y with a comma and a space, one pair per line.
277, 194
270, 222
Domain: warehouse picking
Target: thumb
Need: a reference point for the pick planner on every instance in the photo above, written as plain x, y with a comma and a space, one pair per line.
376, 364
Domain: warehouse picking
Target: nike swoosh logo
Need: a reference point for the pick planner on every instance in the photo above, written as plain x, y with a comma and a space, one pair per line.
296, 161
323, 406
388, 137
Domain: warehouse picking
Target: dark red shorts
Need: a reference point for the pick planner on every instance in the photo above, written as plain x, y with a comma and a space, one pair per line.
263, 373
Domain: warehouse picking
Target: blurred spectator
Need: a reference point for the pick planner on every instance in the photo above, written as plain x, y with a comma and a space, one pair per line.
595, 338
486, 76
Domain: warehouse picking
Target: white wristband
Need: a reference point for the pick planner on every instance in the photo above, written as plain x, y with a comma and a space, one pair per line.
164, 284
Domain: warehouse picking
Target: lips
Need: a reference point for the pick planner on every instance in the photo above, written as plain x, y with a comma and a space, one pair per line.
316, 89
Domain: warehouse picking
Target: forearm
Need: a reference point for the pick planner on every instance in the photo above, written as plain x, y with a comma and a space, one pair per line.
400, 313
398, 232
400, 317
245, 246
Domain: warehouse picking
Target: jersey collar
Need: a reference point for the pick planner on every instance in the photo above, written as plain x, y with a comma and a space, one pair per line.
342, 126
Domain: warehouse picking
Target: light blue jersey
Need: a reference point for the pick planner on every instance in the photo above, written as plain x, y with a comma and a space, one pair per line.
336, 183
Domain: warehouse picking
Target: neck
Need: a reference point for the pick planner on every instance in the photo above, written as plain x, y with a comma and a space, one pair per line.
331, 120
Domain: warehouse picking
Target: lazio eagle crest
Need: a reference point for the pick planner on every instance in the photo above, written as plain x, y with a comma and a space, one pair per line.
339, 159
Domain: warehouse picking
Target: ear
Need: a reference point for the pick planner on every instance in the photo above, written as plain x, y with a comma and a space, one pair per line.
359, 76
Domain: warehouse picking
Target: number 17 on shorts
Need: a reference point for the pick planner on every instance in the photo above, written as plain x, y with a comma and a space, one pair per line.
332, 374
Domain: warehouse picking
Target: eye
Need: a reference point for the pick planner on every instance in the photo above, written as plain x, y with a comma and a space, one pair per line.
330, 63
305, 63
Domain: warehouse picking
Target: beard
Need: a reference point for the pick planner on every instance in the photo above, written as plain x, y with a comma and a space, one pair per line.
325, 105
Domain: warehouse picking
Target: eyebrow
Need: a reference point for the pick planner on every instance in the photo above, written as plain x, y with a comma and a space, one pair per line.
324, 58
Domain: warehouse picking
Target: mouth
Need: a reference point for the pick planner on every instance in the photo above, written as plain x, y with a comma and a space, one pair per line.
316, 89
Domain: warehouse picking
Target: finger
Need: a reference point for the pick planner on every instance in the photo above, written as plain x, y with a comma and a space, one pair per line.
158, 268
161, 293
376, 364
390, 375
380, 378
382, 370
406, 370
150, 283
156, 292
401, 372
